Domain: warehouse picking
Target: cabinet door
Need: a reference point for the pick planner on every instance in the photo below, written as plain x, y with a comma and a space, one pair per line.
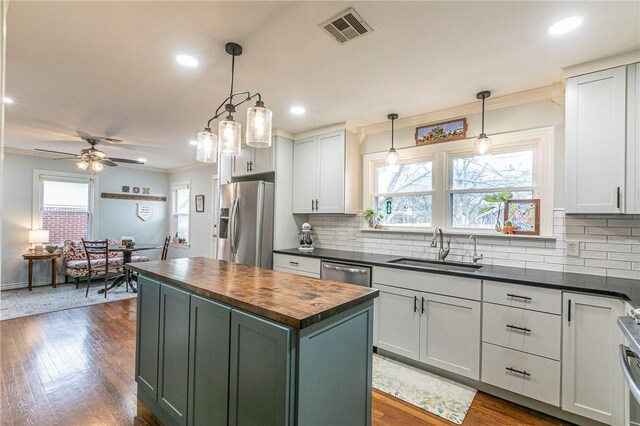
398, 321
305, 169
208, 362
174, 352
592, 383
260, 368
262, 160
147, 328
331, 153
450, 334
595, 142
241, 161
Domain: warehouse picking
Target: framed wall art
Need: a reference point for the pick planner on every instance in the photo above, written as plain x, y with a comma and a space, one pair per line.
200, 203
441, 132
524, 216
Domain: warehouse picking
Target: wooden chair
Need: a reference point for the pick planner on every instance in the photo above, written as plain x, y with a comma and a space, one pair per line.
165, 248
98, 261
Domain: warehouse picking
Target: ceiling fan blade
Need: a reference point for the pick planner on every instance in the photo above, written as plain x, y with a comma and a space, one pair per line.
55, 152
108, 163
70, 158
125, 160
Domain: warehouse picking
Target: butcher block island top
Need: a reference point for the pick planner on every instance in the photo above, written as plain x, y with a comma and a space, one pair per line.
289, 299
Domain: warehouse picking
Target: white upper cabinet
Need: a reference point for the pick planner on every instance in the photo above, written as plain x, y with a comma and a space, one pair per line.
600, 135
326, 173
252, 161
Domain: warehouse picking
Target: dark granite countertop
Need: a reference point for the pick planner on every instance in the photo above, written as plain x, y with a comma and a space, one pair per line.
289, 299
626, 289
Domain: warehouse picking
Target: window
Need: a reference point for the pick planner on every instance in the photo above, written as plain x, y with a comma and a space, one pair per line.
404, 193
64, 205
180, 208
474, 178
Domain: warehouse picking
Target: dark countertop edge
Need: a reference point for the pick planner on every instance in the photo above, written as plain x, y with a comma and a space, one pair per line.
483, 275
265, 313
631, 331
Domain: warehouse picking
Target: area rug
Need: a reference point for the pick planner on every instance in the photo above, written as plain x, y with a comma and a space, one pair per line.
434, 394
22, 302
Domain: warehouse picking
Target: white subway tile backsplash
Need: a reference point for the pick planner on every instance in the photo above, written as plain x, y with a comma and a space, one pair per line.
609, 244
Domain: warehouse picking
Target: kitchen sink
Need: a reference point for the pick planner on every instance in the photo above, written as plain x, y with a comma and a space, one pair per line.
450, 266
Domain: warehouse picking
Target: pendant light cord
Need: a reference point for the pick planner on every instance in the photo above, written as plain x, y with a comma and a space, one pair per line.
392, 130
233, 69
483, 98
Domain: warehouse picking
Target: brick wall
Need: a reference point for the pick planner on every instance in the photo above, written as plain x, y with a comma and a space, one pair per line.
64, 226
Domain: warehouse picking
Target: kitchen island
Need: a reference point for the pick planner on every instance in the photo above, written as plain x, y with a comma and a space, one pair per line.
222, 343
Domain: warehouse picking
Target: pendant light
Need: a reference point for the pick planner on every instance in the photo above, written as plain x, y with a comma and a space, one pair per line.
482, 145
392, 158
229, 136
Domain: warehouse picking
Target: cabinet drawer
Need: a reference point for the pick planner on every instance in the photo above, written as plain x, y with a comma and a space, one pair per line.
297, 272
527, 331
297, 263
541, 381
466, 288
522, 296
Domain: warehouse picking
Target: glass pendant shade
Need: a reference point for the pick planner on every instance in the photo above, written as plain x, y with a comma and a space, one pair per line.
96, 167
83, 165
207, 148
259, 127
392, 158
229, 137
482, 145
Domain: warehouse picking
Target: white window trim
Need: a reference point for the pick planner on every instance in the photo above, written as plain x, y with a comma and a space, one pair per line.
174, 187
39, 174
541, 139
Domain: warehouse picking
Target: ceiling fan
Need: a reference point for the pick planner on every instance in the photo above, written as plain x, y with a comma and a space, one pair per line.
92, 157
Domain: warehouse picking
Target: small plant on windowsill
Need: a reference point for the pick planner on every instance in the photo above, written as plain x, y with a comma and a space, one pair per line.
497, 202
508, 227
373, 218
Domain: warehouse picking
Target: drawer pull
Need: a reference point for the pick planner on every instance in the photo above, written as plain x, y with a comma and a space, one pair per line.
513, 370
515, 296
293, 263
415, 304
524, 329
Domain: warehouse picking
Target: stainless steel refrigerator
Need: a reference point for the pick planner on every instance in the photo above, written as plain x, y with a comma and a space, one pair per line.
245, 231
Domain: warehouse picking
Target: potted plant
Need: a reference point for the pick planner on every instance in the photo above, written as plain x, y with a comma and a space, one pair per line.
508, 227
374, 219
498, 199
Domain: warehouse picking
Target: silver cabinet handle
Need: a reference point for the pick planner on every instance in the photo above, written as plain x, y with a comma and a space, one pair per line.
625, 352
344, 269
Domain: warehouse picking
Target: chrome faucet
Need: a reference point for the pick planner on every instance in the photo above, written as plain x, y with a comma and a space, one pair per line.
443, 252
475, 251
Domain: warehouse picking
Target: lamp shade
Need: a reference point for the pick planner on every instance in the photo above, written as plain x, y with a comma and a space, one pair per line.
259, 127
482, 145
229, 136
38, 236
207, 148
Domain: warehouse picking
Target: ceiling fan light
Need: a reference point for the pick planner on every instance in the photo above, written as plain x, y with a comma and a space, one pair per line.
482, 145
96, 166
229, 136
207, 146
83, 165
259, 126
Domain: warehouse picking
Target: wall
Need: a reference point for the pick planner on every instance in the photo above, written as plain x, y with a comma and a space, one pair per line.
201, 230
609, 245
114, 217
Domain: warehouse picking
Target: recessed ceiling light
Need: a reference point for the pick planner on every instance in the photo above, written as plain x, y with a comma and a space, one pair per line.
194, 143
7, 100
565, 25
187, 61
142, 160
297, 110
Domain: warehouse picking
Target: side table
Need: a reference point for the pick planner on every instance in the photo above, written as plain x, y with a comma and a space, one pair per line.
44, 256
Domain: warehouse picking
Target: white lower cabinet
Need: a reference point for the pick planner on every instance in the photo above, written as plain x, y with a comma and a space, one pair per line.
592, 383
438, 330
300, 265
522, 373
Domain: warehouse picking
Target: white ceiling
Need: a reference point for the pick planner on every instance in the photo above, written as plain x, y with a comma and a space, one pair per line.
107, 68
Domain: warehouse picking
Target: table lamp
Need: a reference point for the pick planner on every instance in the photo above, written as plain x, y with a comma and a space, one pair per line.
37, 237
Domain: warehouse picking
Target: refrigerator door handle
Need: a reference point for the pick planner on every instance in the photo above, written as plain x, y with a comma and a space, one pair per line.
232, 225
236, 226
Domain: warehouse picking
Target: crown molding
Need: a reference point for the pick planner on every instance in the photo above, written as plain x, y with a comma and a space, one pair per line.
281, 132
350, 127
519, 98
602, 64
30, 153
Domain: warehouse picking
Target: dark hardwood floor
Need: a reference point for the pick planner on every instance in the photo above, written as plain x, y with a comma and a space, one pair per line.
76, 367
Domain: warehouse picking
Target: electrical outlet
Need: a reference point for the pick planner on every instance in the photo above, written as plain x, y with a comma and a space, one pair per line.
573, 248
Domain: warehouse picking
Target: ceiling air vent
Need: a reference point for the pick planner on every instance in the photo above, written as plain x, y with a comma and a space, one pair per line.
346, 26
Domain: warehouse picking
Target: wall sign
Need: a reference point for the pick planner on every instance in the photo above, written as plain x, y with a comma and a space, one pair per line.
145, 211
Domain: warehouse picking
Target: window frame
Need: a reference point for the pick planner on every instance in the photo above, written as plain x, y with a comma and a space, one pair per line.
175, 186
39, 176
541, 140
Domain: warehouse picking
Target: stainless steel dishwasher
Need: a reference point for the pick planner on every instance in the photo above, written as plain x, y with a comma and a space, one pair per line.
346, 272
